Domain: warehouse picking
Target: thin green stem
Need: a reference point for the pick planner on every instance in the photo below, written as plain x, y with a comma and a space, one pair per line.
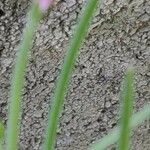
13, 124
61, 86
127, 107
2, 131
114, 135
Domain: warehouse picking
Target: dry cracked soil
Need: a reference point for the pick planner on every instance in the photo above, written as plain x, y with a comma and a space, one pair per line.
119, 36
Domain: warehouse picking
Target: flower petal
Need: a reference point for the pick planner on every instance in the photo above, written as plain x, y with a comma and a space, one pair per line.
44, 4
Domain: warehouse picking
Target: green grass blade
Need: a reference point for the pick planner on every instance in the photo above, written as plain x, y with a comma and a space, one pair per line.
2, 131
114, 135
57, 102
18, 79
126, 110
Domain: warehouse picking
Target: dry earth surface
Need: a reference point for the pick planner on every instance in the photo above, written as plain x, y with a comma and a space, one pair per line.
119, 36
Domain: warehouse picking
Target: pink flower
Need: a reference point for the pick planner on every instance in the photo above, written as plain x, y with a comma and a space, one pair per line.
44, 4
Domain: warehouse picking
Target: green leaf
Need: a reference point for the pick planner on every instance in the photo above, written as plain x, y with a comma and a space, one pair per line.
126, 110
13, 124
114, 135
58, 100
2, 131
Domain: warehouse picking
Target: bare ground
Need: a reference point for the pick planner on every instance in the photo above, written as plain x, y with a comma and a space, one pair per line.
118, 37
